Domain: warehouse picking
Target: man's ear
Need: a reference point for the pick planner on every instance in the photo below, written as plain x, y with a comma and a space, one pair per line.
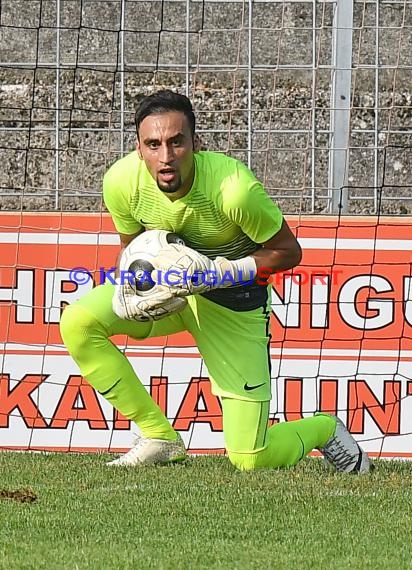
197, 145
139, 154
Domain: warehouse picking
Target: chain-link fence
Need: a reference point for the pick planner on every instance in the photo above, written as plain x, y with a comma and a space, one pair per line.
314, 95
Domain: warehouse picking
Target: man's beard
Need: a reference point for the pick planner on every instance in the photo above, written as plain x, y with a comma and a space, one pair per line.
172, 187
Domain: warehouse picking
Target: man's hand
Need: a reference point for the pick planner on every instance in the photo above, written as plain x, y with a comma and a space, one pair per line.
186, 271
159, 304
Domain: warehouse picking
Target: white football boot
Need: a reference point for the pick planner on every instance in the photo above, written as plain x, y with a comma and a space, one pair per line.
343, 452
152, 452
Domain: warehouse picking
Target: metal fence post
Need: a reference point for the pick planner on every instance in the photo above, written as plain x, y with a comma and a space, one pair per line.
340, 106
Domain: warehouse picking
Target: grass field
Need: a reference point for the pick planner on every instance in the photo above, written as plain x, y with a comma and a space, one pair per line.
79, 514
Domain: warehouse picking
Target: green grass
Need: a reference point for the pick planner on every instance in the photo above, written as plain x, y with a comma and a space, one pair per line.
201, 515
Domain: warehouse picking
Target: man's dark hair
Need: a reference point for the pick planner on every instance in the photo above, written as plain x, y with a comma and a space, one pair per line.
163, 102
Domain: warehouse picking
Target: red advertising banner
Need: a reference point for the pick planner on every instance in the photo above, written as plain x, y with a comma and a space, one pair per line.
341, 337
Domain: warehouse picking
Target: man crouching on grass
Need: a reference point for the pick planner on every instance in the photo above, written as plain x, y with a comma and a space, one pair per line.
228, 223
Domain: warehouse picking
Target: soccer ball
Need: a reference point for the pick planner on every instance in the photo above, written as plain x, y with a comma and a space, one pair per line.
137, 259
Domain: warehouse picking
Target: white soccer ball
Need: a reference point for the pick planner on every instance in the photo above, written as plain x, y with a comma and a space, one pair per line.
137, 259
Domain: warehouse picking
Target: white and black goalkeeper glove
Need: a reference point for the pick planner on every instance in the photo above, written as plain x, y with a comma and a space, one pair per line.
187, 272
160, 303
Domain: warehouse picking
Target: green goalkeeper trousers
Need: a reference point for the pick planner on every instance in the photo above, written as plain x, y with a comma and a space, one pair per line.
235, 349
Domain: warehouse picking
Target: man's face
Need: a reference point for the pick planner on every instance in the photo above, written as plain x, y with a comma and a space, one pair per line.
166, 145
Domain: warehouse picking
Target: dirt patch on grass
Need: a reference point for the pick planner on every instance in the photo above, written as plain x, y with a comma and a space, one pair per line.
19, 495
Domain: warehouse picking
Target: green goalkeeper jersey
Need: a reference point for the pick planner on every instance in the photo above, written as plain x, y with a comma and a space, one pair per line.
226, 212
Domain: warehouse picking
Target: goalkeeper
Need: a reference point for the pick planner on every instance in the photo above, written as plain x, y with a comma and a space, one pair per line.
229, 224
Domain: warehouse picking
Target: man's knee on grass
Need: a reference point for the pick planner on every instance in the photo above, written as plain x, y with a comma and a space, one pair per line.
275, 454
246, 461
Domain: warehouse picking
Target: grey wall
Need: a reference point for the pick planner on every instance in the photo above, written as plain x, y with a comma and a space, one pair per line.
275, 82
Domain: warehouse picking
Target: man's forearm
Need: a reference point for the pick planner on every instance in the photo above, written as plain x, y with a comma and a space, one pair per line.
277, 260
